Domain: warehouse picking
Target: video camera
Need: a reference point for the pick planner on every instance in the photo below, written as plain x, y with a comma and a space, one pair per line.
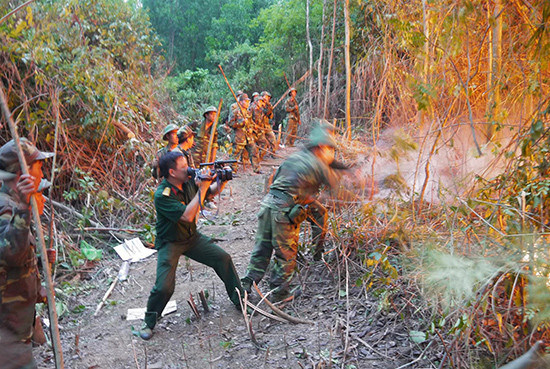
221, 169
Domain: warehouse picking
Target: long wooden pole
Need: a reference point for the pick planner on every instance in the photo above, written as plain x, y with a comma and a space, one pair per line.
290, 86
3, 19
233, 93
54, 326
212, 133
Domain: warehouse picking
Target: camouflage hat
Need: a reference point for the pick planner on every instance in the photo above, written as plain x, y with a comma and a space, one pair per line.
254, 94
318, 137
9, 161
265, 93
244, 97
209, 109
291, 89
184, 133
44, 185
239, 93
169, 128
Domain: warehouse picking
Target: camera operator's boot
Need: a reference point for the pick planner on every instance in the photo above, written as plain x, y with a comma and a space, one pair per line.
146, 333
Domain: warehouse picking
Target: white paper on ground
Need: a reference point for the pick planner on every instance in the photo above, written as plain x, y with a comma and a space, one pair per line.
139, 313
133, 250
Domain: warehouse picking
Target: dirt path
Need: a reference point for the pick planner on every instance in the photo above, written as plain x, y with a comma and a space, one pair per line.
356, 334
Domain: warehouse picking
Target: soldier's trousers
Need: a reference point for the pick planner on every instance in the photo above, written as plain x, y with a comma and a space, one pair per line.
272, 141
252, 154
291, 131
262, 145
204, 251
15, 354
318, 217
276, 234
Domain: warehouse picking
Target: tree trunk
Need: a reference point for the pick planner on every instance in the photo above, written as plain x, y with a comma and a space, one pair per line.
329, 72
320, 65
426, 56
495, 70
348, 70
310, 47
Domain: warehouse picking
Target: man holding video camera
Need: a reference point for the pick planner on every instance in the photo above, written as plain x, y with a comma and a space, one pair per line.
177, 202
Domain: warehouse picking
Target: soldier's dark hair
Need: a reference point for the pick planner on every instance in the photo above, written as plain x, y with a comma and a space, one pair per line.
168, 161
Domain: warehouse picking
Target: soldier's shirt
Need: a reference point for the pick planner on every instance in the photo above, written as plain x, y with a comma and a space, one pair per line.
170, 204
302, 175
19, 277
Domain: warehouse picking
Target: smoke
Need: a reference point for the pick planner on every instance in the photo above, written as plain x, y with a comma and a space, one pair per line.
397, 164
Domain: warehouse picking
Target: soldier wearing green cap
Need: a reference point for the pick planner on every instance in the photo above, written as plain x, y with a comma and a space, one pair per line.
295, 185
244, 133
203, 136
186, 141
293, 114
170, 134
256, 111
19, 277
268, 125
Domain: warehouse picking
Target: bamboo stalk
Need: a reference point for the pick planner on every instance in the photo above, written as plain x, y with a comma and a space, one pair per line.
212, 133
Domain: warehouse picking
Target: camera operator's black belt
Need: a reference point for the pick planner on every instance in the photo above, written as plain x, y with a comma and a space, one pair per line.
283, 196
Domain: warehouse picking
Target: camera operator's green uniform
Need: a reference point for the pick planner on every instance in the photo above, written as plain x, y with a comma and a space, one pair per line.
175, 238
296, 182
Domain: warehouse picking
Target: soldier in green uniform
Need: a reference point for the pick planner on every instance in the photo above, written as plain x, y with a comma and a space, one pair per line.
256, 111
293, 114
295, 185
243, 129
268, 117
177, 203
186, 141
203, 136
170, 134
19, 276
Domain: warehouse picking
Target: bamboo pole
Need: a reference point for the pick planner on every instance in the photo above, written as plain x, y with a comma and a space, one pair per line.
213, 132
245, 115
16, 10
54, 326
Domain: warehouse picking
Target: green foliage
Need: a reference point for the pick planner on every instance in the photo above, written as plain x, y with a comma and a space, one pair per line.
90, 252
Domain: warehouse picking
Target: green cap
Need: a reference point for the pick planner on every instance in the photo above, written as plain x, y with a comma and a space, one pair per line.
318, 137
9, 161
209, 109
265, 93
254, 94
290, 91
169, 128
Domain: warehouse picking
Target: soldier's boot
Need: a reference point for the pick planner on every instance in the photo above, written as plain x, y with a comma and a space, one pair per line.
284, 295
247, 283
145, 332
